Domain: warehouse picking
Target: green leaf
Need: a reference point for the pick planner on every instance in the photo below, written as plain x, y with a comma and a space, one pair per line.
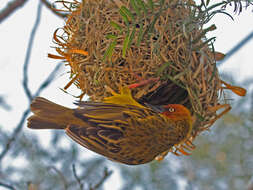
220, 11
116, 26
125, 44
203, 33
111, 36
214, 65
196, 48
127, 12
152, 24
163, 67
142, 5
133, 4
203, 3
140, 35
151, 4
161, 2
124, 16
214, 6
131, 37
180, 74
109, 51
200, 117
174, 81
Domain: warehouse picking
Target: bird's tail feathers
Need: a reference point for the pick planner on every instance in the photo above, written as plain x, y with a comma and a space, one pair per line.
49, 115
35, 122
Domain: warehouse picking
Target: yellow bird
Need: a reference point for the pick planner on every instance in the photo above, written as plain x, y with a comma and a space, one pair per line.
118, 128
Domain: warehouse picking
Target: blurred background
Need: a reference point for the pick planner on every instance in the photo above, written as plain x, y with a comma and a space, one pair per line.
45, 160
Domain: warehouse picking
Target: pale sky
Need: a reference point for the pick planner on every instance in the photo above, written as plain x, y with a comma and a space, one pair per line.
14, 36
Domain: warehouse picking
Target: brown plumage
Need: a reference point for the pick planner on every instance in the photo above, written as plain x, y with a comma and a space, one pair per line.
128, 132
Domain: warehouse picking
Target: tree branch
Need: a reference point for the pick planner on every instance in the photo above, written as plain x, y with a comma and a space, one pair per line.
20, 125
7, 186
107, 174
236, 48
14, 134
48, 80
79, 181
10, 8
65, 182
4, 104
28, 53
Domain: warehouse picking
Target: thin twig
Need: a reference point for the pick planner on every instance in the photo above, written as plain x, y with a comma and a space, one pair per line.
28, 53
92, 167
20, 125
107, 173
65, 182
14, 134
79, 181
48, 80
52, 8
3, 104
7, 186
10, 8
28, 93
236, 48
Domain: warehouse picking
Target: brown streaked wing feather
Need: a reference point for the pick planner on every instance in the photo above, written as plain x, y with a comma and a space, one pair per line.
109, 112
79, 134
119, 132
129, 146
93, 143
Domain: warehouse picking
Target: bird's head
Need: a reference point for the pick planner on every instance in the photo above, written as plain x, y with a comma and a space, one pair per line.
176, 112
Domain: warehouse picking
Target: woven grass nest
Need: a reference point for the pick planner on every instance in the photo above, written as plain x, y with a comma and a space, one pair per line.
157, 46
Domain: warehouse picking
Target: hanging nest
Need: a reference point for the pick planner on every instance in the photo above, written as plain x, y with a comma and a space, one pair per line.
156, 47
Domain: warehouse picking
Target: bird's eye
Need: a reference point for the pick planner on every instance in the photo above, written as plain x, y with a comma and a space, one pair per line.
171, 109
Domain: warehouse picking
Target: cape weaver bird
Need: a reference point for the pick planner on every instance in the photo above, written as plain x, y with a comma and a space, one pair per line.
119, 128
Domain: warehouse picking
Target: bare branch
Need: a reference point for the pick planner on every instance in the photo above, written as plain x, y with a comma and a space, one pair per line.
107, 173
65, 182
28, 53
48, 80
7, 186
4, 104
14, 134
20, 125
79, 181
10, 8
236, 48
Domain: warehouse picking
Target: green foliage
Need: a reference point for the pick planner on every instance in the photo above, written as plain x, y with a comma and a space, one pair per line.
199, 15
132, 18
109, 51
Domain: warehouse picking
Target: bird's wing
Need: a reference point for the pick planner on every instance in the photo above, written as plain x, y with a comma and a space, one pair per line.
109, 127
110, 111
